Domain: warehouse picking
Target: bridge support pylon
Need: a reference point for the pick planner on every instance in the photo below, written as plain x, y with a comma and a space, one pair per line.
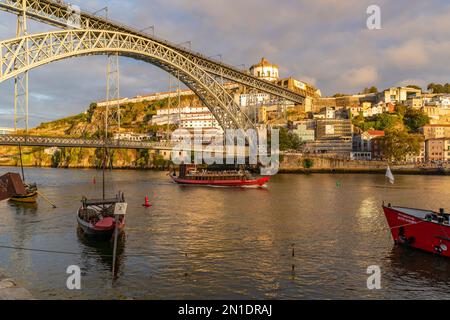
21, 80
112, 112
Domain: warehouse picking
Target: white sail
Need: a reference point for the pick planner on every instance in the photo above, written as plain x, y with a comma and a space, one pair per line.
390, 176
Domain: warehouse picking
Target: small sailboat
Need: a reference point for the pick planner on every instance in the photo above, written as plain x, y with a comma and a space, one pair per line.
31, 189
97, 217
11, 185
29, 197
102, 217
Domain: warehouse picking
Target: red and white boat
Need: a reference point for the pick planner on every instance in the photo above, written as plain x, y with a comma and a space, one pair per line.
426, 230
96, 217
227, 178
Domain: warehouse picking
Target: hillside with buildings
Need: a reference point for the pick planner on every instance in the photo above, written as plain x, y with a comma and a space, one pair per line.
400, 124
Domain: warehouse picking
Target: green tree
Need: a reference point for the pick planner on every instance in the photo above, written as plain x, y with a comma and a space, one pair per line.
439, 88
400, 109
415, 119
338, 95
397, 144
386, 121
372, 89
413, 86
90, 111
56, 158
143, 158
289, 140
307, 163
158, 161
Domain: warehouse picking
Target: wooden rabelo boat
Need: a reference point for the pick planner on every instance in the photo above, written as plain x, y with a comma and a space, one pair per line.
226, 178
29, 197
96, 217
426, 230
31, 191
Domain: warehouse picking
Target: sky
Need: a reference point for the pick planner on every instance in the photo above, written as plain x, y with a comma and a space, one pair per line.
323, 42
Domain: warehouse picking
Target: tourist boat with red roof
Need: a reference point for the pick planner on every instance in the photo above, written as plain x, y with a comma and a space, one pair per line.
223, 178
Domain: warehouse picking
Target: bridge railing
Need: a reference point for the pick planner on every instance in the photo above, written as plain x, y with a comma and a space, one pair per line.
42, 141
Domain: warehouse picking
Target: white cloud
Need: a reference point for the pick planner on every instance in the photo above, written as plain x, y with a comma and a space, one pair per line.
411, 54
359, 77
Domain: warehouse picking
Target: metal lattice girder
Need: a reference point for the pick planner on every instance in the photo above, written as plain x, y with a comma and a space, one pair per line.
38, 141
21, 80
59, 13
112, 109
25, 53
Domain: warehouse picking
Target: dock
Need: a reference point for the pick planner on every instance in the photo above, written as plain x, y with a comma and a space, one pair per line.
9, 290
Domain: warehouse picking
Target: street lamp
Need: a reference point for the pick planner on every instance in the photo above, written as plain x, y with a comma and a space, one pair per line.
221, 60
186, 42
217, 55
241, 65
100, 10
151, 27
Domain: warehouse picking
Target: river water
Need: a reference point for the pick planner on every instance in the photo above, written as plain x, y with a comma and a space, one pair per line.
225, 243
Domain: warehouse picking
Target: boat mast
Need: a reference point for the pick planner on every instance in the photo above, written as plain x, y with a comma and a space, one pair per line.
103, 173
104, 150
21, 162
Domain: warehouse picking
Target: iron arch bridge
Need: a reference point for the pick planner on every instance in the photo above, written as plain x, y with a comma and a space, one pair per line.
57, 13
22, 54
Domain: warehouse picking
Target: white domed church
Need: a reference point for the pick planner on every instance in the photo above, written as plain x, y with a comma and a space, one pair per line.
265, 70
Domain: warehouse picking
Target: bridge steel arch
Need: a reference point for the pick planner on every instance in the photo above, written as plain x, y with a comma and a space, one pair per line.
57, 13
31, 51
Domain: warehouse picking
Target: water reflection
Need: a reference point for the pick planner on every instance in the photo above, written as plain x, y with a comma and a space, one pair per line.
23, 224
23, 208
411, 263
101, 251
198, 243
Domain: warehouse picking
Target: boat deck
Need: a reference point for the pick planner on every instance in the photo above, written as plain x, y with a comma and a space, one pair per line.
418, 213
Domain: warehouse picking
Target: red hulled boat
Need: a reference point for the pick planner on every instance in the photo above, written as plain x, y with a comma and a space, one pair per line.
227, 178
96, 217
421, 229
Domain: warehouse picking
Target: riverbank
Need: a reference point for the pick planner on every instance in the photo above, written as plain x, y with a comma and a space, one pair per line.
417, 171
290, 163
9, 290
435, 171
298, 164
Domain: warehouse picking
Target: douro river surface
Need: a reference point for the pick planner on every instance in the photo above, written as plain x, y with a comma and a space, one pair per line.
303, 237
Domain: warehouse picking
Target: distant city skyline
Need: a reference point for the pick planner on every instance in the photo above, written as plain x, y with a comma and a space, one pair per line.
325, 43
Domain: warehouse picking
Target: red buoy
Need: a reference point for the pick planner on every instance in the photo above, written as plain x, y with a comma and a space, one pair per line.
147, 202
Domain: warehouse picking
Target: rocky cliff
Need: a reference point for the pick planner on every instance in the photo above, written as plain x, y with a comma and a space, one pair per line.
135, 117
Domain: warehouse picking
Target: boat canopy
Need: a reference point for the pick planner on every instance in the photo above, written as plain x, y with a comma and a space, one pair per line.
97, 202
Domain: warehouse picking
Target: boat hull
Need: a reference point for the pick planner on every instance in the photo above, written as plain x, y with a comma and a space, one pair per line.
106, 231
410, 229
28, 198
223, 183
